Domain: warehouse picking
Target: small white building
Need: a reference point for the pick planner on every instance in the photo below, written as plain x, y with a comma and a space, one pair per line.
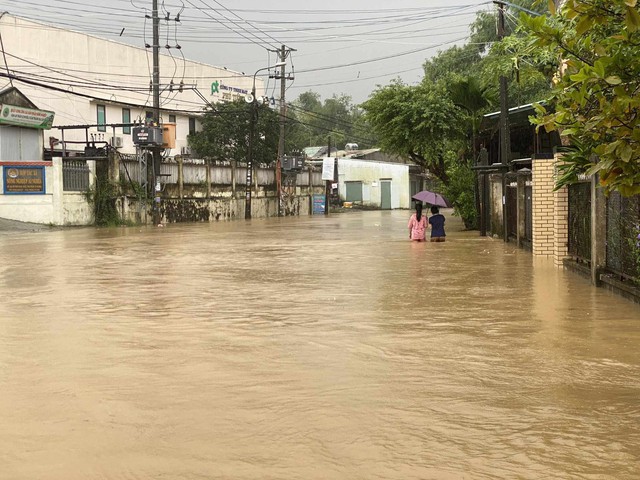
375, 184
88, 80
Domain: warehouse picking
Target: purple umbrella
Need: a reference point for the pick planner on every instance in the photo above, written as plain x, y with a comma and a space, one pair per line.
432, 198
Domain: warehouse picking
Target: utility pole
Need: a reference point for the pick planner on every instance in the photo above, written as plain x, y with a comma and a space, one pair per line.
327, 187
156, 112
505, 137
283, 54
253, 119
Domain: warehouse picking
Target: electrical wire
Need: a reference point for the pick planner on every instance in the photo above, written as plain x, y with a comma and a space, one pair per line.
222, 23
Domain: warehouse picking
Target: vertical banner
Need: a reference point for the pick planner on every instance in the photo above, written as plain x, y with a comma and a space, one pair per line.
327, 168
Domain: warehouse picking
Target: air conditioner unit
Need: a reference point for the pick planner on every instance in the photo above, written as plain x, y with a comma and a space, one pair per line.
185, 150
117, 142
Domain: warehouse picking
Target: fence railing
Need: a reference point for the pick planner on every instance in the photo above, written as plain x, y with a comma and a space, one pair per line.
511, 199
528, 213
75, 176
221, 174
623, 235
580, 221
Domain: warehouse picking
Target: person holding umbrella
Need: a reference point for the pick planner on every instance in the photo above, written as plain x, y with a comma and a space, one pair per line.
437, 225
437, 220
418, 225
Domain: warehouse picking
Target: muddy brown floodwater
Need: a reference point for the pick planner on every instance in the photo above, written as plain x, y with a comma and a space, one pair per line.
308, 348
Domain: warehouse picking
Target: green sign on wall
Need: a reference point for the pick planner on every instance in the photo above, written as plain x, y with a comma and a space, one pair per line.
26, 117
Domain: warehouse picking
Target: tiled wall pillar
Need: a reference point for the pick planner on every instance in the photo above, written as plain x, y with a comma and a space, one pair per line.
543, 207
561, 225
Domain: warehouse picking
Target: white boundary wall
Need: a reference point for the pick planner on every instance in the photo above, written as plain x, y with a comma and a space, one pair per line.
54, 207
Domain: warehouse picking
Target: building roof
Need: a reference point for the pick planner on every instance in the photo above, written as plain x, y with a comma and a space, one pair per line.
13, 96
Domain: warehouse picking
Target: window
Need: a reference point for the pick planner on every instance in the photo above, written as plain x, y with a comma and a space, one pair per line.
102, 118
192, 126
126, 118
172, 119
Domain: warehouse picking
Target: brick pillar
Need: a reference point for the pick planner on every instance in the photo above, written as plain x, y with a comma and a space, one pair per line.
543, 207
560, 222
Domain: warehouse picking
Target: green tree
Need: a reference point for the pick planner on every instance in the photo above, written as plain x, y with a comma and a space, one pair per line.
595, 100
420, 122
313, 120
225, 133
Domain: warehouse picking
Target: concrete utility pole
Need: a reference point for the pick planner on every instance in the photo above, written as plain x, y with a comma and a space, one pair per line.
283, 54
156, 109
327, 187
505, 137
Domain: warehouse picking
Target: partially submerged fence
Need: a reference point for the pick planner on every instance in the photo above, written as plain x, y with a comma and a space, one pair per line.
579, 220
194, 172
623, 236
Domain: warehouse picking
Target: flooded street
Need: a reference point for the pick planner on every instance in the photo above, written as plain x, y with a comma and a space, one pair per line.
308, 348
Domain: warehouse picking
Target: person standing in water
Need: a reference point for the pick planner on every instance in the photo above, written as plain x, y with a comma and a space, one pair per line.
418, 225
437, 225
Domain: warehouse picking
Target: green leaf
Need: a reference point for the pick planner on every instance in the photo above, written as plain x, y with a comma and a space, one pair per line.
609, 149
613, 80
584, 25
552, 6
631, 3
626, 152
632, 19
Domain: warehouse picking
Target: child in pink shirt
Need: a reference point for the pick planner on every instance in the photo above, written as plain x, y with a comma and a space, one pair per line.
417, 225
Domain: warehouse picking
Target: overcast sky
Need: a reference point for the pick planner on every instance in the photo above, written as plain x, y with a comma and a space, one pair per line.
347, 46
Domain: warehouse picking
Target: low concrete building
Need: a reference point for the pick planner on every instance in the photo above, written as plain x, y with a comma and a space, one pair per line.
32, 189
374, 184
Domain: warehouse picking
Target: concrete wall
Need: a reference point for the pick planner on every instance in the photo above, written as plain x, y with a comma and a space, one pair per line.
370, 173
176, 210
55, 207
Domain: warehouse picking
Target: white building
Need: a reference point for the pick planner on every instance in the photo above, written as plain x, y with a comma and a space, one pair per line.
376, 184
88, 80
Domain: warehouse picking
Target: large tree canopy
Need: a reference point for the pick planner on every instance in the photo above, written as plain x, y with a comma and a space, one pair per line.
225, 133
419, 122
596, 101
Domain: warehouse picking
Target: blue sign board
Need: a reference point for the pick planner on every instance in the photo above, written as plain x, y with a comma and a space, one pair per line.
24, 180
319, 203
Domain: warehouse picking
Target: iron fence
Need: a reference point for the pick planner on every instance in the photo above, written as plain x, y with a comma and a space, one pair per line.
580, 221
75, 175
623, 236
528, 214
511, 199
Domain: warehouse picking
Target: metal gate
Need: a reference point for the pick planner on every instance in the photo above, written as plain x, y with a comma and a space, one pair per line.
623, 235
512, 211
528, 215
580, 221
385, 194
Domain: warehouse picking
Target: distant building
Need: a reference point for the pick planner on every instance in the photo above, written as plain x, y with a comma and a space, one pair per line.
88, 80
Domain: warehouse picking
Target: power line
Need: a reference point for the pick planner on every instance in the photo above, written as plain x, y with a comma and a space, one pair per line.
235, 23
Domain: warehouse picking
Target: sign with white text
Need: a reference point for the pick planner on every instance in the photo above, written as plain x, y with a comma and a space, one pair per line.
26, 117
327, 168
28, 180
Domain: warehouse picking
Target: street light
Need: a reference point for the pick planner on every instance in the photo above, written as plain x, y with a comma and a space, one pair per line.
252, 126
